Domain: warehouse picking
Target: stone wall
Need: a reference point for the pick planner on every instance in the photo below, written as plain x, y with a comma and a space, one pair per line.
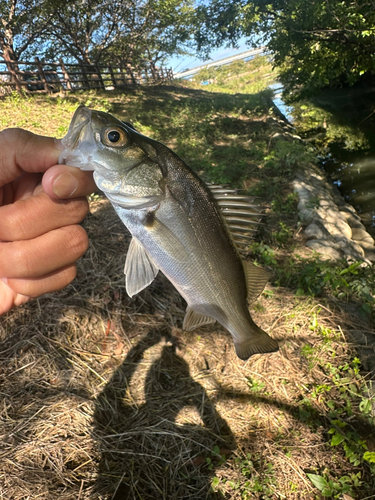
333, 227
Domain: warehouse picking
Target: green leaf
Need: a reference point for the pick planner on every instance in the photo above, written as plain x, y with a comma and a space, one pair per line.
369, 456
215, 483
337, 439
366, 308
365, 405
318, 481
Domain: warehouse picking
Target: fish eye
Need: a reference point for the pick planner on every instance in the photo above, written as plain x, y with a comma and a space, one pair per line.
114, 137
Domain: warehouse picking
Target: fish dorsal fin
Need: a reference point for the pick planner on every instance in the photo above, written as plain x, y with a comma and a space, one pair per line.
193, 320
239, 211
139, 269
256, 279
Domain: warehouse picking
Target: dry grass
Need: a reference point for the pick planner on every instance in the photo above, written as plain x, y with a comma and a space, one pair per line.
105, 397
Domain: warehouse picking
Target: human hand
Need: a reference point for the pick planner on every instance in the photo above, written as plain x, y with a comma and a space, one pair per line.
40, 239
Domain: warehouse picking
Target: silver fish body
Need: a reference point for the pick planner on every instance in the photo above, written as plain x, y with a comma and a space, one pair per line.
176, 223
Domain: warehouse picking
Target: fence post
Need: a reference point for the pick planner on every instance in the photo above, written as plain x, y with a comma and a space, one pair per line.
138, 75
112, 76
84, 74
129, 70
123, 75
100, 76
66, 75
42, 75
147, 76
157, 73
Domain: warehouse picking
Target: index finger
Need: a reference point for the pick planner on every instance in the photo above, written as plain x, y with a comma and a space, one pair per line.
23, 151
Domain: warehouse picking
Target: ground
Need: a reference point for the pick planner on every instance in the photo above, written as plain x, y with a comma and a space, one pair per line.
106, 397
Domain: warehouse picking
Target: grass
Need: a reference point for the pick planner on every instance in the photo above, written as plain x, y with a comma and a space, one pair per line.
105, 397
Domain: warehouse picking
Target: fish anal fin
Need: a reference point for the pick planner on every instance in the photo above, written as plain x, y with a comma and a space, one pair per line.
257, 344
256, 279
139, 269
194, 320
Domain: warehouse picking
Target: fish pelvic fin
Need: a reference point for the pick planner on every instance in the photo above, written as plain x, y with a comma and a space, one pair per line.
139, 269
260, 343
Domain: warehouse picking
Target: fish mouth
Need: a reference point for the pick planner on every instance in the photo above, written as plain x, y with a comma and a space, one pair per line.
79, 144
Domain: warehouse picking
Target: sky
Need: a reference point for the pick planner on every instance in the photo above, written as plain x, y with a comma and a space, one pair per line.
181, 63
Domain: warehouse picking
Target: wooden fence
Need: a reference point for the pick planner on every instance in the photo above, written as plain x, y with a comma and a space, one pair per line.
39, 76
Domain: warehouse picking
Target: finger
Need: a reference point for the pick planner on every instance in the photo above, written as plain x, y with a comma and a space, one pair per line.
62, 181
9, 298
43, 255
36, 215
45, 284
25, 186
24, 151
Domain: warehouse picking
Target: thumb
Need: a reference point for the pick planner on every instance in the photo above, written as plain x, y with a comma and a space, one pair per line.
23, 151
63, 182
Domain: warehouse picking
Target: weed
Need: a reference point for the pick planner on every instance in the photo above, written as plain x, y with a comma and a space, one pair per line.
331, 488
353, 281
284, 234
215, 459
256, 386
284, 205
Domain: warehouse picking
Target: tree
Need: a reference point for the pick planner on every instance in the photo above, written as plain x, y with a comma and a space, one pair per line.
315, 43
126, 31
22, 24
83, 29
159, 28
89, 31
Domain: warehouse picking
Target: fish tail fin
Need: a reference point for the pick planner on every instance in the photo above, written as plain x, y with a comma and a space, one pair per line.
260, 343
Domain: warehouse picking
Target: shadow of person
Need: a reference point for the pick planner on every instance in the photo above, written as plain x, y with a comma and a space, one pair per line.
158, 439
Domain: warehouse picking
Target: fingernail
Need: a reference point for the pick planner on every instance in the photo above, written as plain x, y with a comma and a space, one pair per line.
65, 185
4, 279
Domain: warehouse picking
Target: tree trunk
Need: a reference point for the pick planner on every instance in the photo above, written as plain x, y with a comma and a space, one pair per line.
11, 62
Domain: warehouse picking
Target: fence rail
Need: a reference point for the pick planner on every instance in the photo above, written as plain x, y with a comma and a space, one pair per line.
45, 77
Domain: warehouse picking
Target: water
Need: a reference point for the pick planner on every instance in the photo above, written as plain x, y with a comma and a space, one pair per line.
278, 100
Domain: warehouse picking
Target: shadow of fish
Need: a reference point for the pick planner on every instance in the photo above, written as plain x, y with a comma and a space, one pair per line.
177, 225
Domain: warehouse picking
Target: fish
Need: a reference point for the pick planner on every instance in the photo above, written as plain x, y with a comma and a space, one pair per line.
187, 229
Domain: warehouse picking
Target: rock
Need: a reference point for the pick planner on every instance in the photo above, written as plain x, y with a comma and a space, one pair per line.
350, 248
306, 215
349, 213
370, 255
334, 224
327, 203
325, 248
354, 222
367, 245
316, 230
360, 234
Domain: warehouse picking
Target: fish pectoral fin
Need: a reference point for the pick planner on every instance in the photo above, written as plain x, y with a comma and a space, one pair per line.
256, 279
139, 269
193, 320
